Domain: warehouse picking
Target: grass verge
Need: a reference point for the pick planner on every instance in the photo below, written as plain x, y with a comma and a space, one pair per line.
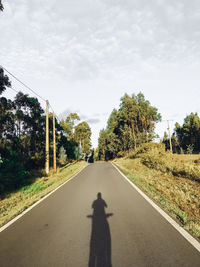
15, 203
178, 196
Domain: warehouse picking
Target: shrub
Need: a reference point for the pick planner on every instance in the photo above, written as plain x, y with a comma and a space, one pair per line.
120, 154
190, 149
12, 175
154, 159
62, 156
146, 148
154, 156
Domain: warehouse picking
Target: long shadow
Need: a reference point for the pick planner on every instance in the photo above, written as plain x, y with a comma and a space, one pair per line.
100, 242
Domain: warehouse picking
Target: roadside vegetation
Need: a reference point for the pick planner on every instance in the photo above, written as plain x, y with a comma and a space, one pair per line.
22, 139
154, 156
172, 180
22, 150
16, 202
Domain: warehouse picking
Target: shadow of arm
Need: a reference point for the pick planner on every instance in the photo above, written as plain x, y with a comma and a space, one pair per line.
89, 216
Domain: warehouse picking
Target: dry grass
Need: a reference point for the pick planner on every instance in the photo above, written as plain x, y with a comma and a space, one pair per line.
16, 203
179, 196
154, 156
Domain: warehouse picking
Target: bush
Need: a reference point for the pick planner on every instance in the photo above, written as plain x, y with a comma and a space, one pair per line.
120, 154
154, 156
154, 159
190, 149
187, 170
62, 156
146, 148
12, 175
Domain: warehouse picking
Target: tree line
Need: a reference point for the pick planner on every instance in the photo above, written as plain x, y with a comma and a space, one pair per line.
133, 124
22, 137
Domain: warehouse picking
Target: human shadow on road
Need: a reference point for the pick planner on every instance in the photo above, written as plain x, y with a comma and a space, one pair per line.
100, 242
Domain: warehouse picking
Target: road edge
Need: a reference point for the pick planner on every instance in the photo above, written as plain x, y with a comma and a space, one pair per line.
180, 229
37, 202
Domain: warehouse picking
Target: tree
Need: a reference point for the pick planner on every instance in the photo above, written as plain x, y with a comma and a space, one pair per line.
128, 127
62, 155
189, 133
69, 123
4, 81
30, 129
6, 119
102, 145
137, 118
175, 143
1, 6
82, 135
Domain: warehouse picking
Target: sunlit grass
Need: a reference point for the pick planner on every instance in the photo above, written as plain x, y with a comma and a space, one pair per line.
15, 203
178, 196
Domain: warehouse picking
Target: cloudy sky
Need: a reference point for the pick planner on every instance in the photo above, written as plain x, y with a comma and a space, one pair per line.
83, 55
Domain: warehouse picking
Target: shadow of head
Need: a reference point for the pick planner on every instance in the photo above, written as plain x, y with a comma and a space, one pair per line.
98, 207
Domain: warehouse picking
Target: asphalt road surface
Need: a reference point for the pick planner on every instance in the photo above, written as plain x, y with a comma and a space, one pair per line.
74, 227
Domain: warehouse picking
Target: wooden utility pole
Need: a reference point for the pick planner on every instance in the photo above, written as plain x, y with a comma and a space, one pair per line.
170, 140
47, 139
54, 144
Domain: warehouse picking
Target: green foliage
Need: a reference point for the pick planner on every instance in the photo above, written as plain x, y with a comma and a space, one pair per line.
69, 123
22, 137
102, 145
188, 134
12, 175
151, 155
4, 80
23, 129
1, 6
78, 153
175, 143
33, 188
190, 149
62, 156
154, 159
76, 139
147, 148
91, 156
128, 127
82, 135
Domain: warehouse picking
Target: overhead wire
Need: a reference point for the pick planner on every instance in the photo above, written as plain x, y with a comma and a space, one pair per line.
28, 87
22, 83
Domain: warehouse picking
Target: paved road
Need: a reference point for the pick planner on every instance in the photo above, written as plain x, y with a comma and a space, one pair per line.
73, 227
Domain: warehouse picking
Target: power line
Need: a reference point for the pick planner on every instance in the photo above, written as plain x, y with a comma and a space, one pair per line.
28, 89
48, 103
23, 83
